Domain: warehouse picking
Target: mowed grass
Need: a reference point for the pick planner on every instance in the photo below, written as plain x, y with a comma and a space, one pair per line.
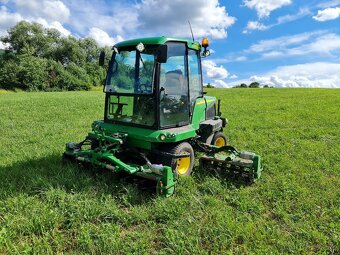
48, 208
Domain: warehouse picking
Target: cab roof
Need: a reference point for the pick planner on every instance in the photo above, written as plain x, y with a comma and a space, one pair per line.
158, 40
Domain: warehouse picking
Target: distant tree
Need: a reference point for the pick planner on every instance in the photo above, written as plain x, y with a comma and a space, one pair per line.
38, 58
9, 75
2, 52
91, 49
69, 51
266, 86
254, 84
209, 86
32, 73
242, 85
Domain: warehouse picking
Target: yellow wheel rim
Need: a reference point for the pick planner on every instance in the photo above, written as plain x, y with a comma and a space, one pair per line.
219, 142
183, 164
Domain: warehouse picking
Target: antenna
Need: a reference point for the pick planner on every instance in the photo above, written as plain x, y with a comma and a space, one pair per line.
192, 34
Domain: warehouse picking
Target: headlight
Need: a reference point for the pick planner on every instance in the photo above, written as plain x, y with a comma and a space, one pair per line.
162, 137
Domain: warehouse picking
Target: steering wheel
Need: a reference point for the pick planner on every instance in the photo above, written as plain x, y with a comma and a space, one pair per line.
173, 104
145, 87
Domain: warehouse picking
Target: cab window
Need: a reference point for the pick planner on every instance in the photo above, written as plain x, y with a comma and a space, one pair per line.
174, 93
195, 79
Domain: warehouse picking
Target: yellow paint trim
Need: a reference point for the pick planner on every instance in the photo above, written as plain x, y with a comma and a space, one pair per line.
203, 102
183, 165
220, 142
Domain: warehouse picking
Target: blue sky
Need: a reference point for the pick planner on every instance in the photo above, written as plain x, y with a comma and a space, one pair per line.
282, 43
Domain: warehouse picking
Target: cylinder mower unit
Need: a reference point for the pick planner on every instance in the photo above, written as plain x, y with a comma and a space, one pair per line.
156, 117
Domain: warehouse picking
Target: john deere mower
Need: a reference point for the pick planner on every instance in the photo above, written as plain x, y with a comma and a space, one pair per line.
157, 117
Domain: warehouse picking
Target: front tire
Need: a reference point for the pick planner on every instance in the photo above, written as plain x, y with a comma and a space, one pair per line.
182, 166
219, 139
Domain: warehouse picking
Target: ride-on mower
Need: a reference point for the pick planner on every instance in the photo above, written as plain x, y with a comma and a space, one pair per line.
157, 117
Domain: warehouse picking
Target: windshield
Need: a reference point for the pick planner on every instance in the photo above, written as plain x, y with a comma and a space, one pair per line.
131, 72
133, 109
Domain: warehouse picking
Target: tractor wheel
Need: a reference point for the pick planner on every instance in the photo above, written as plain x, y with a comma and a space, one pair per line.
181, 166
219, 139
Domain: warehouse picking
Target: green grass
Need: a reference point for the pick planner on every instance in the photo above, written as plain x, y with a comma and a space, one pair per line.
49, 208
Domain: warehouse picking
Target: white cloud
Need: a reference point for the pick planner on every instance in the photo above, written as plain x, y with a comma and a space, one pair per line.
213, 71
291, 17
327, 4
312, 44
234, 76
50, 10
152, 18
282, 42
322, 45
254, 25
272, 54
8, 19
327, 14
2, 45
102, 38
124, 18
240, 59
312, 75
208, 18
57, 25
220, 84
33, 11
265, 7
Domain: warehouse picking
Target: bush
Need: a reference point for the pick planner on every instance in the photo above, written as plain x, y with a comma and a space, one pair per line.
242, 85
9, 75
254, 85
32, 74
76, 78
41, 59
209, 86
70, 78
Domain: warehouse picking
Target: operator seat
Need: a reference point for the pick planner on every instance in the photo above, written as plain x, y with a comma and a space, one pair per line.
174, 82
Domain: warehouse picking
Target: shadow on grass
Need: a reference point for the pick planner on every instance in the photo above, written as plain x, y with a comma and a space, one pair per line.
35, 176
202, 173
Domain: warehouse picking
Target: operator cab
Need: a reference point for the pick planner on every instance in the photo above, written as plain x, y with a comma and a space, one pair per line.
153, 85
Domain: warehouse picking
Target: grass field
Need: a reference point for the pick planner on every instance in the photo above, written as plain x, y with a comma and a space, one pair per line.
49, 208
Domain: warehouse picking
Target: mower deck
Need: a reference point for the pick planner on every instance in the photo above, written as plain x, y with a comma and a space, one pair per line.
104, 152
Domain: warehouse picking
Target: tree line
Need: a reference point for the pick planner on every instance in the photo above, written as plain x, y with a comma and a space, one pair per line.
41, 59
254, 84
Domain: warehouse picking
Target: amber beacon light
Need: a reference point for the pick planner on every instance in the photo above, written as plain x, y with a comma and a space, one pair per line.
205, 42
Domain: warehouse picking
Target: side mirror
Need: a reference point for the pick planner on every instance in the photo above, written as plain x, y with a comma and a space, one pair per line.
206, 53
162, 53
101, 58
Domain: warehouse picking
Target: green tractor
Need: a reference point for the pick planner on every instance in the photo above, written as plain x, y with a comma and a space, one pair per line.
157, 117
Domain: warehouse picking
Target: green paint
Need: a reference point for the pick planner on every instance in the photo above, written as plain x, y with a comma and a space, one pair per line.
159, 40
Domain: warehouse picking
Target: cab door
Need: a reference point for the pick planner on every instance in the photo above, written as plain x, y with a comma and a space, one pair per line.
174, 91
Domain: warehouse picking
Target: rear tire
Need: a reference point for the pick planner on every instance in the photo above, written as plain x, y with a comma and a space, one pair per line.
181, 166
219, 139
